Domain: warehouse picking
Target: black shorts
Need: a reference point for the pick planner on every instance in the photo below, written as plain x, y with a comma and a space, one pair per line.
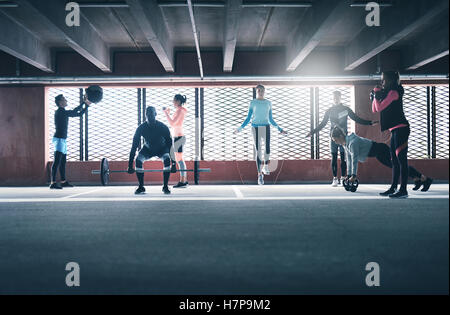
179, 143
147, 153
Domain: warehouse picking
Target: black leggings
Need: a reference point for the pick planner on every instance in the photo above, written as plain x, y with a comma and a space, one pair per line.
146, 154
59, 162
334, 157
382, 153
261, 133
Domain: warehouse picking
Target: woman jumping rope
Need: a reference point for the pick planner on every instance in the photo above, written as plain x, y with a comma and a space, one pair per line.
260, 113
179, 140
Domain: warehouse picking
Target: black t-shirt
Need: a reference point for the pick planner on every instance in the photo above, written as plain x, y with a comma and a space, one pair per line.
156, 137
338, 115
62, 120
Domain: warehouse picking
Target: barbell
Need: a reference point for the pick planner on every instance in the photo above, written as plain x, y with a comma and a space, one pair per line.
104, 171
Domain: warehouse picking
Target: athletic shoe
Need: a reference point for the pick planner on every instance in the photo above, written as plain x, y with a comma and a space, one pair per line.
66, 185
388, 192
335, 182
166, 190
417, 184
140, 190
399, 195
261, 180
266, 170
55, 186
181, 185
341, 181
427, 184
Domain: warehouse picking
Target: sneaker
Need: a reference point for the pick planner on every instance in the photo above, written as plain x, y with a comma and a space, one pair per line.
427, 184
66, 185
261, 180
399, 195
55, 186
341, 181
166, 190
266, 170
181, 185
417, 184
140, 190
335, 182
388, 192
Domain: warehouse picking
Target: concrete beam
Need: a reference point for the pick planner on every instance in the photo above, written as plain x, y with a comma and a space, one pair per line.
317, 21
151, 21
232, 17
20, 43
429, 47
396, 24
84, 39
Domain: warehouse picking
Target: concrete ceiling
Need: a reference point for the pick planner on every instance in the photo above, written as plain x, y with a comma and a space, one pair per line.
166, 25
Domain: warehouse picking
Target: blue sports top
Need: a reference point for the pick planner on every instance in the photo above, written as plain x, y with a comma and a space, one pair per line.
260, 113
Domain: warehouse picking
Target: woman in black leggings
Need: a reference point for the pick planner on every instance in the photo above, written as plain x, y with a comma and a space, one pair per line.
388, 101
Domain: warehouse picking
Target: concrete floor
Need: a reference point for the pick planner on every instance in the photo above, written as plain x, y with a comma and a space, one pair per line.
284, 239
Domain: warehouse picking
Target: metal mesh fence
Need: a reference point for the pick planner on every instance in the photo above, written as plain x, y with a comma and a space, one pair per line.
291, 111
442, 122
163, 97
415, 107
73, 133
112, 123
325, 102
225, 109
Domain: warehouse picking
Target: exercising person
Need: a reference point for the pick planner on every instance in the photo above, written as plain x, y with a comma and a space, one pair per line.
157, 142
60, 139
387, 100
338, 114
260, 113
359, 149
179, 140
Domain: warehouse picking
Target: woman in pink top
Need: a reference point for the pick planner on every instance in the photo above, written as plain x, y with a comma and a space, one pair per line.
176, 122
388, 101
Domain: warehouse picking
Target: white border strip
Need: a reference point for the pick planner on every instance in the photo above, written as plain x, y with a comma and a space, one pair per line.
237, 192
84, 193
169, 198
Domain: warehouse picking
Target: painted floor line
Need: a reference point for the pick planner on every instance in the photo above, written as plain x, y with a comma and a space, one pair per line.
107, 199
84, 193
237, 192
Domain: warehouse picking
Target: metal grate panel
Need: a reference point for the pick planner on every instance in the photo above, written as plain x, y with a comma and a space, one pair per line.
442, 122
112, 124
163, 97
325, 102
415, 108
225, 110
291, 109
73, 134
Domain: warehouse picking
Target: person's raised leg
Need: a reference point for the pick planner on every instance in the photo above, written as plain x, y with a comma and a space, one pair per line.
266, 170
257, 149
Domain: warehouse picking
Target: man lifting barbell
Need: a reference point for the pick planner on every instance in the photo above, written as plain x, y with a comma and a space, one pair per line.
157, 142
